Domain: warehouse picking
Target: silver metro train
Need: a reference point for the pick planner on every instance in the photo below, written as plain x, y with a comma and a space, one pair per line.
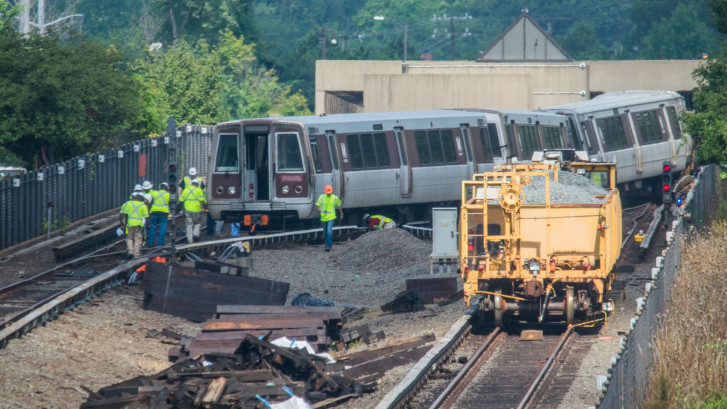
270, 171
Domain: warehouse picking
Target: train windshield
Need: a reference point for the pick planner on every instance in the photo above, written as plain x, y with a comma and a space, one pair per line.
227, 154
289, 155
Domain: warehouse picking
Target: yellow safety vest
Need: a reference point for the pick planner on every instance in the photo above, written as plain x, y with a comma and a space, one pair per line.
192, 197
382, 221
160, 201
135, 212
328, 206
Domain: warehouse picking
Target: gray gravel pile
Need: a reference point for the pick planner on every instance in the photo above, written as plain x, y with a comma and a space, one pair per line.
571, 188
370, 270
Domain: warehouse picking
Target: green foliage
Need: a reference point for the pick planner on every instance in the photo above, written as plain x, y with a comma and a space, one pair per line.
683, 35
58, 100
180, 82
581, 42
249, 89
7, 14
707, 126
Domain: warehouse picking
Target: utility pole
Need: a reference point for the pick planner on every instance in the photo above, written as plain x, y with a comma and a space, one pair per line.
451, 35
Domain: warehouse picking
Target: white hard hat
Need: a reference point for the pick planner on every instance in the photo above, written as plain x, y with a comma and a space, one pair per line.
146, 185
195, 181
193, 171
136, 193
137, 188
366, 216
164, 185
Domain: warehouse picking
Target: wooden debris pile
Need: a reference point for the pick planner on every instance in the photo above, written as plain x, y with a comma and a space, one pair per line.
195, 293
219, 380
319, 326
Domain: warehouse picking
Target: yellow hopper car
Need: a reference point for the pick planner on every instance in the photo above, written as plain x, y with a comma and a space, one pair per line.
539, 241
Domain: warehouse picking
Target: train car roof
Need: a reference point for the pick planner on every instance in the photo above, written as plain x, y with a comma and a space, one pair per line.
615, 99
320, 120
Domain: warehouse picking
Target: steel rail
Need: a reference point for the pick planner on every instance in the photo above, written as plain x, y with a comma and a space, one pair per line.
524, 401
401, 393
471, 361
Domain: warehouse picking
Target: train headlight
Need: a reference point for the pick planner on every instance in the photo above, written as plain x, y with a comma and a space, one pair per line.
299, 189
219, 189
231, 190
285, 189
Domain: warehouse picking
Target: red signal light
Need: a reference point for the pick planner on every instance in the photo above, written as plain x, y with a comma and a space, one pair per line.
172, 168
667, 168
666, 188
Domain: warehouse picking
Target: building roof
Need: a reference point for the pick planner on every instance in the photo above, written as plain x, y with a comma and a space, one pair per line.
524, 41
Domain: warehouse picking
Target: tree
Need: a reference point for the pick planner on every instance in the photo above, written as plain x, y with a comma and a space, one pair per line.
249, 89
581, 42
180, 82
58, 100
683, 35
7, 14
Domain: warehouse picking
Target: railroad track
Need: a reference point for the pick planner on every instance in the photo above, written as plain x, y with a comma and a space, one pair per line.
32, 302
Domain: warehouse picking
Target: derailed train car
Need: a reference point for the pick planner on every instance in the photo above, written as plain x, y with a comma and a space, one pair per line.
539, 241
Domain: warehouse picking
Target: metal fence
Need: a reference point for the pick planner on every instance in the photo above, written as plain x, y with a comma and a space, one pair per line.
624, 385
53, 197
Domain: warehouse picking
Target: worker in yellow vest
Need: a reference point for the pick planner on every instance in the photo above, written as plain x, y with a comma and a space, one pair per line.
327, 204
159, 215
133, 217
195, 204
378, 222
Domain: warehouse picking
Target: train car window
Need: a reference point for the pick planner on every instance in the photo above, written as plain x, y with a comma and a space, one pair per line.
368, 151
450, 152
551, 134
573, 135
257, 150
354, 151
289, 154
676, 130
486, 143
314, 154
400, 143
435, 144
510, 131
227, 154
420, 138
331, 138
494, 137
614, 135
528, 140
464, 128
648, 127
591, 136
382, 150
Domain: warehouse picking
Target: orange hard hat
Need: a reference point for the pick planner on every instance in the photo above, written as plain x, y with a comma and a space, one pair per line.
328, 189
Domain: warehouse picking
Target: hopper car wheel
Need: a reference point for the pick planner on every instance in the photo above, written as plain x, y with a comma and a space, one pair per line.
498, 309
570, 306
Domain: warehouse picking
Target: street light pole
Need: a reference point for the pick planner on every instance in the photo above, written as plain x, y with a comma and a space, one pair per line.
404, 27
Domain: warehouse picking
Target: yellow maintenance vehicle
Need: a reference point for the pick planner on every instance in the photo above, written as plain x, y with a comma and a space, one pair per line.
539, 241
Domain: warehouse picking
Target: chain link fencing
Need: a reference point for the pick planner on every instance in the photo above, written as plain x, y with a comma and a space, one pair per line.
52, 198
625, 383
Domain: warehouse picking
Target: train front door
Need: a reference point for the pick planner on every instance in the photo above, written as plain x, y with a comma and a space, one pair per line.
256, 180
405, 168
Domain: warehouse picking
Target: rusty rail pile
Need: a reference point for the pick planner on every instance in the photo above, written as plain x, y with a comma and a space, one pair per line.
235, 380
223, 333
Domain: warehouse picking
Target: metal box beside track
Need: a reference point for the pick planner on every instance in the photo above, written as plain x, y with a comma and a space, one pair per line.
540, 240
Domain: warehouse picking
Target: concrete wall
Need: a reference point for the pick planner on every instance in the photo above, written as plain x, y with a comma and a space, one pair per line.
445, 84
